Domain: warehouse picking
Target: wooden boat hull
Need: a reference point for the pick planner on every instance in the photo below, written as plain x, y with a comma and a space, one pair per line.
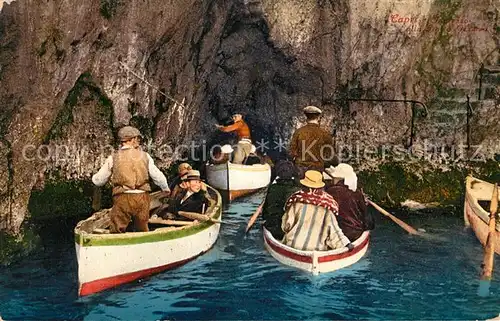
474, 215
316, 262
235, 180
109, 260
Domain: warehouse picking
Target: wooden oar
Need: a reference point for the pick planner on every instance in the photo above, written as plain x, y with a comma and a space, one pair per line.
169, 222
203, 218
396, 220
256, 214
489, 248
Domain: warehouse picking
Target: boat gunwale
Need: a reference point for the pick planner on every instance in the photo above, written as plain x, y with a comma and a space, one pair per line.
86, 239
239, 167
357, 244
473, 201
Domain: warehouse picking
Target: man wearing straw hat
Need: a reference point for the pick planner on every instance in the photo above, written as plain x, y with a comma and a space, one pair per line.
130, 169
353, 217
242, 149
311, 145
310, 222
192, 199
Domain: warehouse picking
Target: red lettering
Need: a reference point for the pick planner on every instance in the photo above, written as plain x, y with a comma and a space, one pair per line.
401, 19
394, 17
407, 20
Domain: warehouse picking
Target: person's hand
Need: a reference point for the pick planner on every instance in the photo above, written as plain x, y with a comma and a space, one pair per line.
350, 246
165, 193
203, 186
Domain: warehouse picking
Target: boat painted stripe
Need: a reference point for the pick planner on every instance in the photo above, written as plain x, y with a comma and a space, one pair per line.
284, 252
299, 225
311, 229
110, 282
139, 237
334, 257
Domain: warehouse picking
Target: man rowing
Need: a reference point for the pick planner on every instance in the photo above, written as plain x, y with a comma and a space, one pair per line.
130, 169
311, 146
242, 149
353, 217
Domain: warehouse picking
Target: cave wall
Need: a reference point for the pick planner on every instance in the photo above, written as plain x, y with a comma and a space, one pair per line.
70, 76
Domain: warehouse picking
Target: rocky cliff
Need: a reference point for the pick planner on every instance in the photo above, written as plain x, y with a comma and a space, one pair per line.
72, 72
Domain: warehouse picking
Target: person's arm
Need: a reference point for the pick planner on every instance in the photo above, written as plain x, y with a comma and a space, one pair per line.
156, 175
231, 128
102, 176
335, 229
288, 219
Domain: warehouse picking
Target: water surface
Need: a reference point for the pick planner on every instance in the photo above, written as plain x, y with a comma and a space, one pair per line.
402, 277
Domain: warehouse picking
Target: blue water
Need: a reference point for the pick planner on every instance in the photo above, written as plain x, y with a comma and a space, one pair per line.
402, 277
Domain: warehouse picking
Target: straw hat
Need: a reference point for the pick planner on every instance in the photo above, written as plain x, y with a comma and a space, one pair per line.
313, 179
192, 174
312, 110
226, 149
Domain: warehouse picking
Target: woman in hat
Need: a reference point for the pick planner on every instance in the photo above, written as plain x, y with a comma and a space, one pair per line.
310, 222
177, 184
353, 217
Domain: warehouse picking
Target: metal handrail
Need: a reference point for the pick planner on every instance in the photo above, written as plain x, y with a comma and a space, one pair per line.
413, 109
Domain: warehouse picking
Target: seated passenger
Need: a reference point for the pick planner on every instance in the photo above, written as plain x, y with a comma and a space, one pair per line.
192, 199
222, 155
253, 158
177, 184
353, 217
277, 195
310, 221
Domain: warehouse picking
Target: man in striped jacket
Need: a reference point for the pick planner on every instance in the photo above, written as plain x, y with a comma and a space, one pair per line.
309, 222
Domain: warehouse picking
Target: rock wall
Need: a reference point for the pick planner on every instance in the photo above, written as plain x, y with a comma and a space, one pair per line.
71, 73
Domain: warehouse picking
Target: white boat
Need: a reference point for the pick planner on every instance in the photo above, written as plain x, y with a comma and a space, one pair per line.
107, 260
479, 192
317, 262
237, 180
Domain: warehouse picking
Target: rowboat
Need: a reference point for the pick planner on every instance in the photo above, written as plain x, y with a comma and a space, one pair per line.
316, 262
237, 180
476, 209
108, 260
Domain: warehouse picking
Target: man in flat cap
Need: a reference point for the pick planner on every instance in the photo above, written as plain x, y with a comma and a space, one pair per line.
311, 145
130, 169
242, 149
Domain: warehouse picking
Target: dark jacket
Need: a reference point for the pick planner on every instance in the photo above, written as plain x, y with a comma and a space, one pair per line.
273, 209
354, 217
252, 159
194, 203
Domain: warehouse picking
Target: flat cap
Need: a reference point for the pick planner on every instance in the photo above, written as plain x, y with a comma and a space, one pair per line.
312, 110
192, 174
128, 132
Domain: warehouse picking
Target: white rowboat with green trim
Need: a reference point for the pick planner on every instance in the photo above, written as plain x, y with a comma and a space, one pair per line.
108, 260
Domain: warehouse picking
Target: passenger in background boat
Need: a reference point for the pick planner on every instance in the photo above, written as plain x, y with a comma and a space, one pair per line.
277, 194
192, 199
310, 221
253, 158
130, 169
222, 154
177, 184
242, 149
353, 217
311, 146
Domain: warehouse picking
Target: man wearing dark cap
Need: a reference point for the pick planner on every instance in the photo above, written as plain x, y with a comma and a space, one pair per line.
130, 169
311, 145
242, 149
